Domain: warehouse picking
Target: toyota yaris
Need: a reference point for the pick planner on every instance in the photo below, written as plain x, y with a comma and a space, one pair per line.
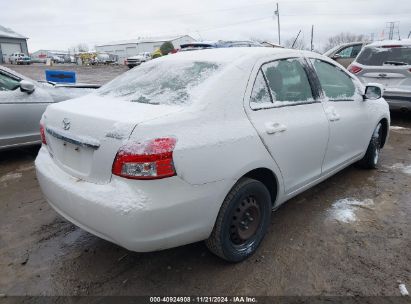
203, 145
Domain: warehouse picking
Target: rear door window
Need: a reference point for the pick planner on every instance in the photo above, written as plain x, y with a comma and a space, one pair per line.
288, 82
346, 52
336, 84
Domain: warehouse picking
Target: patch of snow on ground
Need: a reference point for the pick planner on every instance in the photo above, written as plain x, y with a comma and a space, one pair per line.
9, 177
25, 168
344, 209
397, 128
399, 166
403, 290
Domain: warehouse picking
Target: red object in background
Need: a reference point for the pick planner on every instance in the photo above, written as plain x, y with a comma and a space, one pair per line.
354, 69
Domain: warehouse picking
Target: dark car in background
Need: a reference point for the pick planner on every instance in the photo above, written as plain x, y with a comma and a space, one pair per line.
192, 46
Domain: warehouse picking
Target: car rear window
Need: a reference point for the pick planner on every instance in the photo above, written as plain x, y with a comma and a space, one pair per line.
163, 82
378, 56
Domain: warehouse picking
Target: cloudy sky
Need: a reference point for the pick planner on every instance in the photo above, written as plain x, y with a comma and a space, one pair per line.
57, 24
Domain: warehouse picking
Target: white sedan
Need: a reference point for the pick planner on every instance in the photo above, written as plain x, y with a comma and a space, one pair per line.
203, 145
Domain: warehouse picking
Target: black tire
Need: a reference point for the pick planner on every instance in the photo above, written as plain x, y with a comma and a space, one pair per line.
242, 221
372, 156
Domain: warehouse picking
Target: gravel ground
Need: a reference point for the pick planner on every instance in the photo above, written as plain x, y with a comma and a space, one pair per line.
85, 74
350, 235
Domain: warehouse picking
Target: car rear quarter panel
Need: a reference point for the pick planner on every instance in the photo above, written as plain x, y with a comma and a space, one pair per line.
215, 139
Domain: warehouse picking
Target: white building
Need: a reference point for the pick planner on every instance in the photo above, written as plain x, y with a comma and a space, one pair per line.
127, 48
43, 54
11, 42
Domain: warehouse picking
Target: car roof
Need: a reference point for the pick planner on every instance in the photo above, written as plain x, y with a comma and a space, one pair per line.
403, 42
231, 55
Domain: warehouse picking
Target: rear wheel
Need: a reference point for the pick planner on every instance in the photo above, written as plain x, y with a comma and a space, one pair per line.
242, 221
372, 156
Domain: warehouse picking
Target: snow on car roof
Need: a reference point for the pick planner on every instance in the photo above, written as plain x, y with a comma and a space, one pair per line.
403, 42
230, 55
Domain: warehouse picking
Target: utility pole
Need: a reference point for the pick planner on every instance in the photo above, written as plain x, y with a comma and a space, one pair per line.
312, 38
393, 28
277, 13
409, 35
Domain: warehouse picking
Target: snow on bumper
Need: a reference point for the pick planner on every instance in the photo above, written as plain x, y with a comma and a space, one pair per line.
138, 215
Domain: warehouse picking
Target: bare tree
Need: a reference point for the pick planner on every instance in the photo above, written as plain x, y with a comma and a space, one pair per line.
298, 45
342, 38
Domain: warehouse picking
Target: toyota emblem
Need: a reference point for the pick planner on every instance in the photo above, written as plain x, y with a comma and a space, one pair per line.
66, 124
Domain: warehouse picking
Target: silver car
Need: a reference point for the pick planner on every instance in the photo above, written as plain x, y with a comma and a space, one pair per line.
22, 103
387, 63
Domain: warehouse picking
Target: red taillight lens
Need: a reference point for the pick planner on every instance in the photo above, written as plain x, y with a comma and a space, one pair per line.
392, 46
151, 159
43, 134
354, 69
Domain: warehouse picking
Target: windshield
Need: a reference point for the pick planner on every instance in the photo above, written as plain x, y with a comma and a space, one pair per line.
378, 56
163, 82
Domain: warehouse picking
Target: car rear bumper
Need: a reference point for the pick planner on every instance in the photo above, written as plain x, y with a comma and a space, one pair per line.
138, 215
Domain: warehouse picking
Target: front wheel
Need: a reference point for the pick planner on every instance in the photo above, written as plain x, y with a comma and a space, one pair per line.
372, 156
242, 222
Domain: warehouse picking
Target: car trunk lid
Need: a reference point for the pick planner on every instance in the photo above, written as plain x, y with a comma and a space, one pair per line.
387, 75
84, 134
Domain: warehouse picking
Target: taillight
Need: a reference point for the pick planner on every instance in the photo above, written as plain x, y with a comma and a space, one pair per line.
43, 134
152, 159
354, 69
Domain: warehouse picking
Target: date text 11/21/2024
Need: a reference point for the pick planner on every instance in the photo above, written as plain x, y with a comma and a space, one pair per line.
204, 299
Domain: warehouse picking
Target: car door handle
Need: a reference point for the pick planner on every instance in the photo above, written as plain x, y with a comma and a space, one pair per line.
274, 127
334, 117
332, 114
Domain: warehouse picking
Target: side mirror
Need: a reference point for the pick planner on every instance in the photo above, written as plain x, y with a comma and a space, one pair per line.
373, 92
27, 86
336, 56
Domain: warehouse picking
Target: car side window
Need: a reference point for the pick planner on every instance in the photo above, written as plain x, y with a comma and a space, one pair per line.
288, 82
356, 50
7, 83
336, 84
260, 96
346, 52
